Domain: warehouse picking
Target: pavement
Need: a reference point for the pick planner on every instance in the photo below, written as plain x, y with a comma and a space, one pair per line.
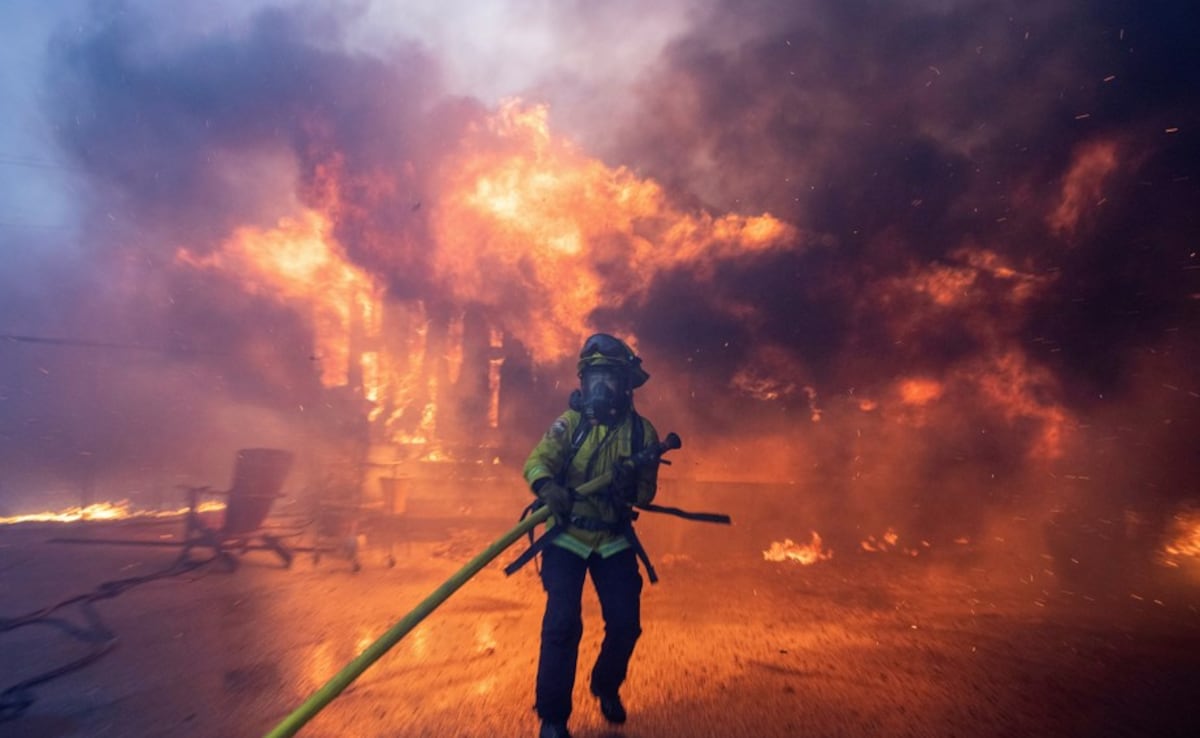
946, 643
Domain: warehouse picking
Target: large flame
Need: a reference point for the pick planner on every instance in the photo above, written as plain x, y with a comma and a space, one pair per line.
300, 263
543, 234
525, 226
540, 235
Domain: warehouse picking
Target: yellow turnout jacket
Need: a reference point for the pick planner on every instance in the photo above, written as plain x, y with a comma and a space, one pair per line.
601, 449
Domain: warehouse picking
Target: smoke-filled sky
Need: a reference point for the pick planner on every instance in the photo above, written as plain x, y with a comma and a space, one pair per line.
929, 246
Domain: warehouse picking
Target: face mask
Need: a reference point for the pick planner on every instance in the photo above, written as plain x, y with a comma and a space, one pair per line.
604, 398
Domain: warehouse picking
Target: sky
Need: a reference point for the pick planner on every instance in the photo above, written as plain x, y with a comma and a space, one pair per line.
921, 246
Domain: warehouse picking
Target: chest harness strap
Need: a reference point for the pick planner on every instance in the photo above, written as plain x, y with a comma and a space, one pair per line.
535, 546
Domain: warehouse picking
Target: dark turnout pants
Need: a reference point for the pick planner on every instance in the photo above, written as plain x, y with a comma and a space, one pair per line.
619, 587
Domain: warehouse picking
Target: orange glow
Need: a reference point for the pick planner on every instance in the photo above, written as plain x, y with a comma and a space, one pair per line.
1021, 285
975, 276
1183, 538
806, 554
767, 374
495, 366
371, 375
485, 637
365, 637
1084, 185
299, 262
814, 411
919, 392
946, 285
982, 291
453, 353
533, 227
321, 665
753, 384
1010, 382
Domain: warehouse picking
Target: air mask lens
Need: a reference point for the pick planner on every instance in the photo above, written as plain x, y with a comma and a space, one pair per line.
596, 379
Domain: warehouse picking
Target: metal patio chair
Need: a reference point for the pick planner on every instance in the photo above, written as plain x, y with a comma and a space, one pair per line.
258, 476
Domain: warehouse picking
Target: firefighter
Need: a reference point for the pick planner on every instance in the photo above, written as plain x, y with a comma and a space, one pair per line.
595, 534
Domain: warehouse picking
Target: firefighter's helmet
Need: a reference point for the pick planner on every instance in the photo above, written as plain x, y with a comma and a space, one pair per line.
603, 350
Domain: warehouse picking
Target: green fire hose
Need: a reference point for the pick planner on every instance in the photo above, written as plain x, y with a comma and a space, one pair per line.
290, 725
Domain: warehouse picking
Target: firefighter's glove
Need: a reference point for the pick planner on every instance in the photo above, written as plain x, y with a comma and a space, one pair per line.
559, 499
624, 482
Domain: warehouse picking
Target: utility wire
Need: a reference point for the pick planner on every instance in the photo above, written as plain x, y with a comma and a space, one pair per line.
81, 343
75, 342
29, 161
34, 226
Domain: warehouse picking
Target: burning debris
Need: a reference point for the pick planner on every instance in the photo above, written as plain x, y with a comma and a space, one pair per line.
1183, 538
890, 541
120, 510
802, 553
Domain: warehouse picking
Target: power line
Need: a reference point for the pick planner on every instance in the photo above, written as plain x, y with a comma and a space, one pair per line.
34, 226
80, 343
11, 337
34, 162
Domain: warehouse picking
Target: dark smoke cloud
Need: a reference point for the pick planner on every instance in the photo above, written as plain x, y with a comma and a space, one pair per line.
905, 137
207, 137
899, 131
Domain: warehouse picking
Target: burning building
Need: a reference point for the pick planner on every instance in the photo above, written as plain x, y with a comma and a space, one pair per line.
915, 279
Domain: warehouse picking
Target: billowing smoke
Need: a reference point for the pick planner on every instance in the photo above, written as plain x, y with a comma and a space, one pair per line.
183, 146
996, 300
929, 261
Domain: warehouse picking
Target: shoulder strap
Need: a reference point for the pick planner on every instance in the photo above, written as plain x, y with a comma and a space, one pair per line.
581, 432
577, 439
537, 545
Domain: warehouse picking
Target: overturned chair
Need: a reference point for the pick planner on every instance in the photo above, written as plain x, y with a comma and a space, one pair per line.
258, 476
